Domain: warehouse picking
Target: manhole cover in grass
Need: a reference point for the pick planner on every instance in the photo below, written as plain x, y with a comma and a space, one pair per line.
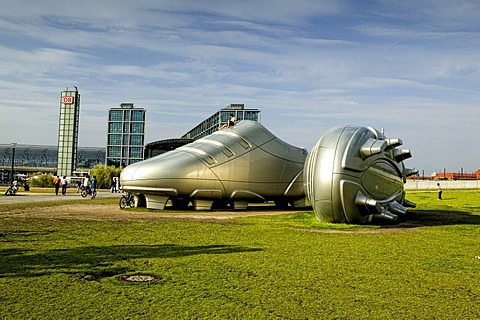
139, 278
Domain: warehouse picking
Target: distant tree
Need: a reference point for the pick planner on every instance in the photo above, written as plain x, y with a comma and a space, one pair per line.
43, 180
105, 175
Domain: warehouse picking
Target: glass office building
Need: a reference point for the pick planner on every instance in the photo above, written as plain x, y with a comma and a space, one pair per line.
126, 135
215, 121
31, 159
68, 132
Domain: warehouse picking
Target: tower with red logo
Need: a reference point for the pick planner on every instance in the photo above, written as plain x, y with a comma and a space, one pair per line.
68, 132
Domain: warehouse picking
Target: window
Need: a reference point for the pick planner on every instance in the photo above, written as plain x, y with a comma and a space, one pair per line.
251, 115
115, 139
224, 116
115, 115
115, 127
113, 152
113, 162
136, 140
137, 127
138, 115
136, 152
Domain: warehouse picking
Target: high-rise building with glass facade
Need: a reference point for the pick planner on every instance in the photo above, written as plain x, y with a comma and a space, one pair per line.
215, 121
126, 135
68, 132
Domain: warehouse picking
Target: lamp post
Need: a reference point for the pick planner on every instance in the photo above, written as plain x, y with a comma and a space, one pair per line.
13, 145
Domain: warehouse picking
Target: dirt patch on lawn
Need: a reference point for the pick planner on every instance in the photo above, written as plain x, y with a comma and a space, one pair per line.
92, 212
113, 212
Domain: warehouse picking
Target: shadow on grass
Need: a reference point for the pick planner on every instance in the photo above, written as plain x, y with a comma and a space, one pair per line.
21, 235
430, 218
97, 261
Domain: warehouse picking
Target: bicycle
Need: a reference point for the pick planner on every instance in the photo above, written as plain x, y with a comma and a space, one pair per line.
128, 200
87, 191
12, 189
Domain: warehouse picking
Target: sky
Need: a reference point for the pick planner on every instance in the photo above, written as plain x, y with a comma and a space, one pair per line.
410, 67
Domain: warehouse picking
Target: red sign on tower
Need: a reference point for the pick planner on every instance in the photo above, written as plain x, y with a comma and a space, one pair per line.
68, 99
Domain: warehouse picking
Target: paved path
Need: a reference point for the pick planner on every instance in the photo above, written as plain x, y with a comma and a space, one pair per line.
30, 197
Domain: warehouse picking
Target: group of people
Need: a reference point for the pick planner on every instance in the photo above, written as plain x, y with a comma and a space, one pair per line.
87, 184
60, 183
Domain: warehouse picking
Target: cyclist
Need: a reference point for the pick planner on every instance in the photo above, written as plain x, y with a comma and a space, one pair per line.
86, 183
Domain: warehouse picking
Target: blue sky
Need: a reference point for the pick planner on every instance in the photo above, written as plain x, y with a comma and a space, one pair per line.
411, 67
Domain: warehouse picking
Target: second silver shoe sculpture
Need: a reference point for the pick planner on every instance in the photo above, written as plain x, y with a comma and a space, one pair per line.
356, 175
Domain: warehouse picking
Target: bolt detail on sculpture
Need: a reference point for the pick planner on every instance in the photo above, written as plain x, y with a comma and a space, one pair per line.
356, 175
235, 166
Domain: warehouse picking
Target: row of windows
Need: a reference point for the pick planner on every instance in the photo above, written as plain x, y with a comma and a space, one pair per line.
69, 117
127, 127
65, 151
239, 115
66, 145
67, 125
65, 136
127, 115
126, 152
118, 139
64, 161
66, 131
66, 110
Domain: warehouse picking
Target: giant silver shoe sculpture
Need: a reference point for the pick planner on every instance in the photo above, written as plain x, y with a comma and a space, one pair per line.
238, 165
356, 175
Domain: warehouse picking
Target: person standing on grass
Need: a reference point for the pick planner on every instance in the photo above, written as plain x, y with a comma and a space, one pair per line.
93, 186
64, 183
439, 191
56, 183
117, 184
114, 185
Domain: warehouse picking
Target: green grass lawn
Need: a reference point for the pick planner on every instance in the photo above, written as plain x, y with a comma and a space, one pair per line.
265, 267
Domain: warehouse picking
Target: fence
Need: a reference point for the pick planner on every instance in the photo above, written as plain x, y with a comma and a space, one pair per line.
445, 184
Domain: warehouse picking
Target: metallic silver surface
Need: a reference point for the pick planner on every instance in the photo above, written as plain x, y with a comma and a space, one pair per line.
356, 175
238, 165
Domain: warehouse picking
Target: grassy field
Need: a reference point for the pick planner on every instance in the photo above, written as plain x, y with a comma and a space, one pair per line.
265, 267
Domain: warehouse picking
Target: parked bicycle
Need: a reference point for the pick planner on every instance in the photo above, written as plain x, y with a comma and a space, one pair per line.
12, 189
127, 200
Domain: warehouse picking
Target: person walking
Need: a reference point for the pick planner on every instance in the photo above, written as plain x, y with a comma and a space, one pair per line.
64, 184
56, 183
93, 186
117, 184
114, 185
439, 191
